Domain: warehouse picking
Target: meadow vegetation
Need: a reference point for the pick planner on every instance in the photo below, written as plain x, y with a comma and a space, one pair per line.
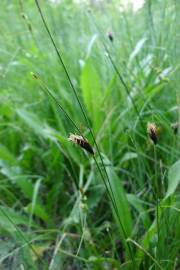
108, 76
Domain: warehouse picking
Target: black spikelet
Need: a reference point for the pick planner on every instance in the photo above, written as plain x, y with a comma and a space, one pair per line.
82, 142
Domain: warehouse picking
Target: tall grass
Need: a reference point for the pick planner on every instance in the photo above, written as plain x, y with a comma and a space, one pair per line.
54, 210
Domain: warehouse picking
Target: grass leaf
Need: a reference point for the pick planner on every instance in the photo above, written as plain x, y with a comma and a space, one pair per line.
173, 178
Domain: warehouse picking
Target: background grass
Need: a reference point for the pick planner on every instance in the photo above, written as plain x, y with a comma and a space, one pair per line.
55, 212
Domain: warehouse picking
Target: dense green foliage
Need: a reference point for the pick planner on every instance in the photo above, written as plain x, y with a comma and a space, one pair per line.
59, 208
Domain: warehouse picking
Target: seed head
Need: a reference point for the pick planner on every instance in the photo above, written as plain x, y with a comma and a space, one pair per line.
110, 36
152, 132
82, 142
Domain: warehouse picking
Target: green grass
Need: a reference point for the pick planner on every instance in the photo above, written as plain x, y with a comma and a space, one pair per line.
61, 207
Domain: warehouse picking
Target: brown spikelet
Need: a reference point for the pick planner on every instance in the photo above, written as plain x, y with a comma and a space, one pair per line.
110, 36
152, 132
82, 142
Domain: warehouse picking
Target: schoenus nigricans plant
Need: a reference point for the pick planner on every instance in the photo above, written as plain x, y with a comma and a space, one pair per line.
103, 173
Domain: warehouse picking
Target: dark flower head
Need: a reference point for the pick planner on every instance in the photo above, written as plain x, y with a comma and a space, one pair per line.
82, 142
110, 36
152, 132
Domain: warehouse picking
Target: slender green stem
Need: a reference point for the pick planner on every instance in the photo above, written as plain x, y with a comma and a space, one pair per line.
119, 75
156, 192
87, 121
108, 189
150, 16
110, 192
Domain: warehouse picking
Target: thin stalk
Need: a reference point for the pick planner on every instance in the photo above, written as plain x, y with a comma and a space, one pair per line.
74, 90
86, 119
108, 189
119, 75
156, 192
151, 21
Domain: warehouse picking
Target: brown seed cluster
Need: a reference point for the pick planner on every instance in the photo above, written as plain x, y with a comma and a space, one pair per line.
110, 36
82, 142
152, 132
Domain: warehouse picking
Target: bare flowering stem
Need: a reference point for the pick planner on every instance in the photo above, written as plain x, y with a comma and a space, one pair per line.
103, 175
123, 82
156, 192
153, 135
82, 142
